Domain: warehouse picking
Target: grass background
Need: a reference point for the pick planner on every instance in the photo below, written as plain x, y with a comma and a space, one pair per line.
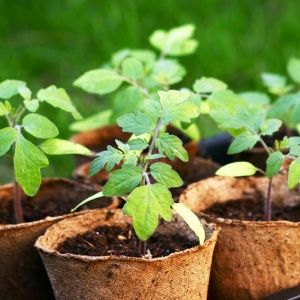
53, 42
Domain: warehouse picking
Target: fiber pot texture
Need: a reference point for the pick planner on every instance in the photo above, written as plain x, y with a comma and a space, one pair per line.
22, 275
182, 275
251, 259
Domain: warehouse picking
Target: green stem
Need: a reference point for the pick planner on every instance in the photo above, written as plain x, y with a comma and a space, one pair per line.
268, 202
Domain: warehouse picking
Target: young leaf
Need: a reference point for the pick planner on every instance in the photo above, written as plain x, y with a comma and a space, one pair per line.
110, 157
191, 219
176, 42
275, 83
293, 69
274, 163
9, 88
137, 144
164, 174
89, 199
243, 142
269, 126
237, 169
145, 204
32, 105
57, 97
28, 160
256, 99
25, 92
295, 151
132, 68
171, 146
123, 181
206, 85
59, 146
39, 126
8, 136
294, 173
167, 72
136, 123
99, 81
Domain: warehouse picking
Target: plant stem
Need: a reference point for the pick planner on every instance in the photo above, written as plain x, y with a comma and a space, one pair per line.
17, 203
268, 202
143, 248
265, 146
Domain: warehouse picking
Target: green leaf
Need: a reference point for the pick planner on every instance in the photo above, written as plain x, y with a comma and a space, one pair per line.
237, 169
293, 69
8, 136
275, 83
136, 123
138, 144
110, 157
145, 204
59, 147
165, 175
269, 126
206, 85
295, 151
99, 81
256, 99
177, 107
123, 181
176, 42
25, 92
243, 142
274, 163
9, 88
32, 105
293, 141
191, 219
294, 173
87, 200
171, 146
57, 97
39, 126
167, 72
28, 160
132, 68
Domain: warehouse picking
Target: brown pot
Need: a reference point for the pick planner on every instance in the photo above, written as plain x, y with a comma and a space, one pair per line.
181, 275
251, 259
22, 275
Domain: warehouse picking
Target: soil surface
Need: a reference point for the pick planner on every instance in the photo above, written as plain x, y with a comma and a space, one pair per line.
118, 241
252, 210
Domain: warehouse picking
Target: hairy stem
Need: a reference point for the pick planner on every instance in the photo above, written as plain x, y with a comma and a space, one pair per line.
18, 203
268, 202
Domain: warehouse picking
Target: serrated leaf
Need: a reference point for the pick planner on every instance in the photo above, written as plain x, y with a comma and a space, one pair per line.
237, 169
256, 99
293, 69
145, 205
293, 141
110, 157
61, 147
31, 105
176, 106
137, 123
138, 144
28, 160
167, 72
57, 97
99, 81
8, 136
269, 126
191, 219
243, 142
274, 163
295, 151
39, 126
123, 181
9, 88
171, 146
165, 175
294, 173
206, 85
132, 68
175, 42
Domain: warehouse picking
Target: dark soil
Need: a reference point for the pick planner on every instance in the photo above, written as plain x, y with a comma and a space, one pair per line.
118, 241
252, 210
55, 200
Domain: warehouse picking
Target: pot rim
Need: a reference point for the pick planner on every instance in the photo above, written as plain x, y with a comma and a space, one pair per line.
122, 258
32, 224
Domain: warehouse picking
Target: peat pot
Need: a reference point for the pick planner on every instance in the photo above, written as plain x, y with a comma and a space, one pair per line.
22, 275
252, 259
180, 275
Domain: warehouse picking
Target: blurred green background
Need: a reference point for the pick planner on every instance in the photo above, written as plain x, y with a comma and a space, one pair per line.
53, 42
